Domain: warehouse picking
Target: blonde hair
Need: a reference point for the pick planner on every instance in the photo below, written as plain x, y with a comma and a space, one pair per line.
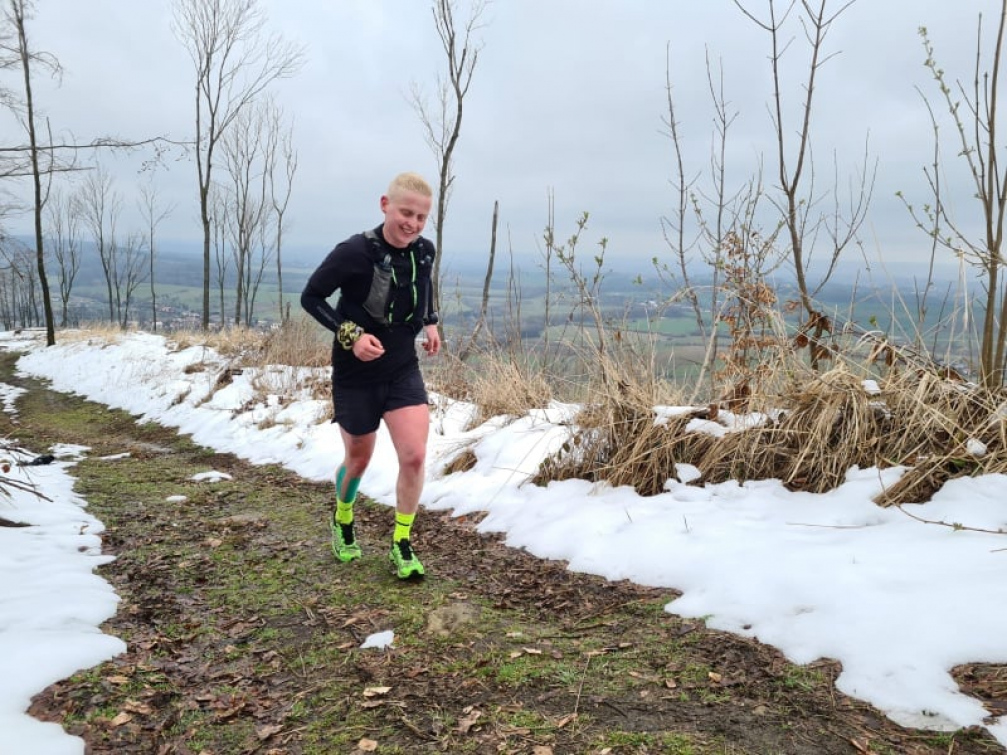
409, 182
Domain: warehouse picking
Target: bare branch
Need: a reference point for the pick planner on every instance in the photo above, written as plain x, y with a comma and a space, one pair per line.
443, 130
234, 63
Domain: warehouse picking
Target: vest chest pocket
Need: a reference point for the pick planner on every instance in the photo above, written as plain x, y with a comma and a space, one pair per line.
376, 303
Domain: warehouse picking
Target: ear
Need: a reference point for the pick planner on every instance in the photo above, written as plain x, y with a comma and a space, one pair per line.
384, 202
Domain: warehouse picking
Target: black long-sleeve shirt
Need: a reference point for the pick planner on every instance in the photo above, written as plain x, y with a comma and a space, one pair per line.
349, 268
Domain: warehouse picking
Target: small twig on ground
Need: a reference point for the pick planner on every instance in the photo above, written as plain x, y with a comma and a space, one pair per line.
580, 687
416, 730
951, 525
616, 708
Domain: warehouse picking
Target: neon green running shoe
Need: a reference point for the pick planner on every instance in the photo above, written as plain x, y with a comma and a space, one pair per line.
407, 566
344, 542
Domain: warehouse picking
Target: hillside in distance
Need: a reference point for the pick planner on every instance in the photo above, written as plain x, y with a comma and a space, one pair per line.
630, 294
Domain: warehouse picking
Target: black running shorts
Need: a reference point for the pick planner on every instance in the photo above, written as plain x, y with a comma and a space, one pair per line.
358, 410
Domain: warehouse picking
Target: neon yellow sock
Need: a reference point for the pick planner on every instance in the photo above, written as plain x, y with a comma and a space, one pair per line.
344, 512
403, 526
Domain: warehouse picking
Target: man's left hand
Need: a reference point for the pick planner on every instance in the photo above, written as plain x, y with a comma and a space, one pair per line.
432, 343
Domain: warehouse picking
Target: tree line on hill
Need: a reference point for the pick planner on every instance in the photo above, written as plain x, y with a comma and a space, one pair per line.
245, 164
244, 155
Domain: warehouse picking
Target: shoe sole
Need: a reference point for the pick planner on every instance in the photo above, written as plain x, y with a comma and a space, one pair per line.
414, 575
345, 558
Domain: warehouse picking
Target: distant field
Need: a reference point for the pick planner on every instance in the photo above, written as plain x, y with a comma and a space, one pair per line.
674, 336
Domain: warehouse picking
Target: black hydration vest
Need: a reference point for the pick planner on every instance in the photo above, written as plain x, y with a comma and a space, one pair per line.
379, 299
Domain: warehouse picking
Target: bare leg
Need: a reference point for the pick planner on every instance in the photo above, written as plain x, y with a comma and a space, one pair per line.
409, 428
357, 452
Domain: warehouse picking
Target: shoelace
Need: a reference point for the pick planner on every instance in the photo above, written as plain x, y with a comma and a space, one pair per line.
347, 532
405, 550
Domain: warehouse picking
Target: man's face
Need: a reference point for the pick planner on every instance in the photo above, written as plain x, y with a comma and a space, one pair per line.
405, 215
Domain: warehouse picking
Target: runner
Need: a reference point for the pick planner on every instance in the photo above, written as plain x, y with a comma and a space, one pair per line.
386, 299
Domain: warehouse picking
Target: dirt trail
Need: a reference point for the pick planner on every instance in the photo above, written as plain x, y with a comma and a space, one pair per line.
244, 635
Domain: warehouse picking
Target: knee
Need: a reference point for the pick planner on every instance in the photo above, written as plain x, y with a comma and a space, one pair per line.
355, 471
356, 463
412, 460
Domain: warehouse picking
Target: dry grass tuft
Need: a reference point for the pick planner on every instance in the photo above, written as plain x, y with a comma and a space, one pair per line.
829, 427
504, 387
449, 376
932, 411
232, 342
939, 428
631, 450
98, 332
919, 484
463, 461
300, 342
620, 440
952, 430
496, 383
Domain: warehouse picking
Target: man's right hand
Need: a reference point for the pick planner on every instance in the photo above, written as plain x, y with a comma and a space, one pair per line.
367, 348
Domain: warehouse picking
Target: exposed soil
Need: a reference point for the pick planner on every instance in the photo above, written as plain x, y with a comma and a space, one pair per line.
244, 635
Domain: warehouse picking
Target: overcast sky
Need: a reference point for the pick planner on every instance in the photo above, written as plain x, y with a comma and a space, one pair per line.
568, 97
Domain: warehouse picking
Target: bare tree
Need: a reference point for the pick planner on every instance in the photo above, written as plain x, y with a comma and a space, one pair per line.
443, 126
245, 208
16, 12
258, 263
218, 216
41, 156
123, 262
548, 256
974, 110
464, 352
64, 232
255, 199
715, 210
587, 284
153, 216
18, 285
234, 63
99, 207
798, 205
280, 153
132, 257
674, 225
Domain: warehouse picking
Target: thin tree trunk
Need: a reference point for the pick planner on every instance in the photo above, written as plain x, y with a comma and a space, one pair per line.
17, 7
487, 282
